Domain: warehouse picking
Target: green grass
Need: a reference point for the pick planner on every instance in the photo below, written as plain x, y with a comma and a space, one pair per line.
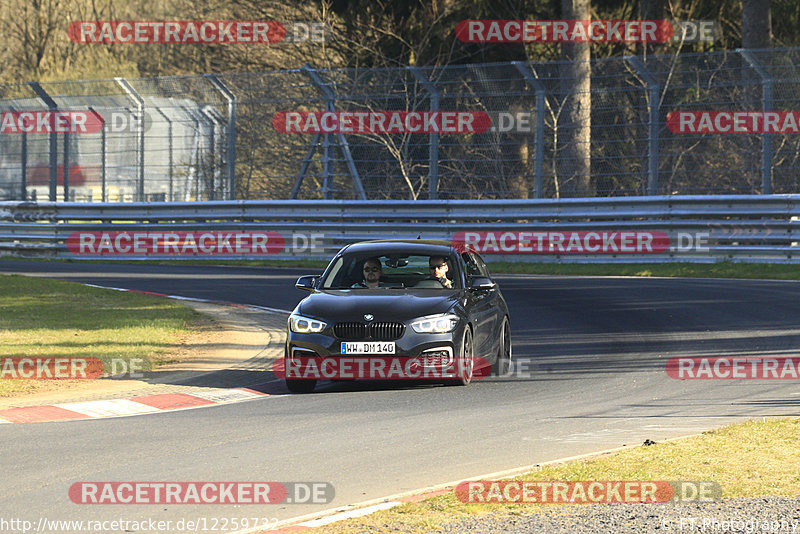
50, 318
752, 459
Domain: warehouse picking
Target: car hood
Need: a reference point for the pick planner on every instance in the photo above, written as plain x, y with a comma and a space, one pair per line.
383, 304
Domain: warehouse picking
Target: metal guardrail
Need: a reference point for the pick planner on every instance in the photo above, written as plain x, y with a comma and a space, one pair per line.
752, 228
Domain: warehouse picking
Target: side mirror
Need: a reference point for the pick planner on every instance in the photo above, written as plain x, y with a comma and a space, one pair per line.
482, 283
306, 283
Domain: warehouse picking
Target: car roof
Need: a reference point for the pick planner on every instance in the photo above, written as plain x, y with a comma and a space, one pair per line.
409, 246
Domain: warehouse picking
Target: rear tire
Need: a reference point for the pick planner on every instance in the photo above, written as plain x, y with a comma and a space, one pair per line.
301, 386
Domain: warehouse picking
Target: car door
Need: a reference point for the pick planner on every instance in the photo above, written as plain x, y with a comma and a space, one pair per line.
483, 308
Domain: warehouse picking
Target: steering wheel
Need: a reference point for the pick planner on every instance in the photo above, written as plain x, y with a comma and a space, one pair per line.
429, 282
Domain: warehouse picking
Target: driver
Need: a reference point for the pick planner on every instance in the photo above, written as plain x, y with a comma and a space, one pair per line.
439, 268
372, 272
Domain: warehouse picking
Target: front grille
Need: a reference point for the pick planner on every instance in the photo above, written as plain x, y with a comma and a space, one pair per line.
381, 331
386, 331
350, 331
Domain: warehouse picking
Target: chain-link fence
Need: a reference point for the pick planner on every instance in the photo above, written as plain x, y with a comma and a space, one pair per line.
216, 137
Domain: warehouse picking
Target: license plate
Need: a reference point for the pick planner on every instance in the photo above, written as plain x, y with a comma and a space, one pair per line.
368, 347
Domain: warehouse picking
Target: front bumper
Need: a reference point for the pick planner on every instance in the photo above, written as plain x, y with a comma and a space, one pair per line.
418, 355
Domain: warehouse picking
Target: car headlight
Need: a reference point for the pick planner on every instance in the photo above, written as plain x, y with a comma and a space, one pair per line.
435, 324
305, 325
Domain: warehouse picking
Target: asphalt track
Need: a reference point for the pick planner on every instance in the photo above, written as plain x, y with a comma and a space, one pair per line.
593, 352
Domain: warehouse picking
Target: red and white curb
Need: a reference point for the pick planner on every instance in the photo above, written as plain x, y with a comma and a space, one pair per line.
147, 404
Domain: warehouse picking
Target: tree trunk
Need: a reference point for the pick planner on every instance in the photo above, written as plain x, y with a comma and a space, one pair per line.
756, 24
574, 159
649, 10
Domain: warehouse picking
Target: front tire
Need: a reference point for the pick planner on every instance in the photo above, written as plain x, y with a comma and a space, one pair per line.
466, 361
503, 363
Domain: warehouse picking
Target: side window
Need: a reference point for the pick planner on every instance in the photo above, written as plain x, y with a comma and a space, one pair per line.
471, 268
481, 266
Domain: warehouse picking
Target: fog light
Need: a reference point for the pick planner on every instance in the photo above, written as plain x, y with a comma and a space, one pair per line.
436, 358
303, 353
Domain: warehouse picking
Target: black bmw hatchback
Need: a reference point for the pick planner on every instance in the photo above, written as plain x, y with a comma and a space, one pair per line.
399, 309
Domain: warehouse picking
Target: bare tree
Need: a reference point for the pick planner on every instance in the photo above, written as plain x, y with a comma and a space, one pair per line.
756, 24
574, 167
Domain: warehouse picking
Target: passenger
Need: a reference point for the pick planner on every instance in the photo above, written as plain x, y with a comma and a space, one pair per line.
439, 268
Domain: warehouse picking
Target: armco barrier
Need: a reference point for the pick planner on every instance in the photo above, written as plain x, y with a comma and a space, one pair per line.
754, 228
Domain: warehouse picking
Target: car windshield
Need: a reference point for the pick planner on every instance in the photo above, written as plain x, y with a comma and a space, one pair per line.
391, 271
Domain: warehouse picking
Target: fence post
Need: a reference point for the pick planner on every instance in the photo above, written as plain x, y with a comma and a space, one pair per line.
433, 138
23, 149
103, 194
330, 100
52, 106
169, 155
653, 106
194, 164
327, 180
766, 105
214, 120
212, 146
66, 167
140, 133
24, 158
230, 155
538, 139
304, 167
102, 156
